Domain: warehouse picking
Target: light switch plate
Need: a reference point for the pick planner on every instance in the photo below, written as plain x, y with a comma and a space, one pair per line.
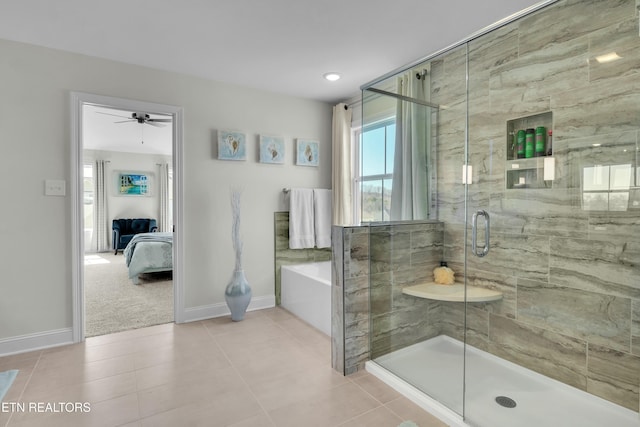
55, 187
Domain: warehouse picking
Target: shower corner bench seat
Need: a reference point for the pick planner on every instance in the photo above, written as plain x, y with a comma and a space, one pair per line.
452, 293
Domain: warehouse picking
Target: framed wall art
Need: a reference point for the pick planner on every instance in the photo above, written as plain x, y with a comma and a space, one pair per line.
271, 149
134, 184
232, 145
307, 153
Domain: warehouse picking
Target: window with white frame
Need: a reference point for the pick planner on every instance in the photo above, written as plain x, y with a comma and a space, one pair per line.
375, 151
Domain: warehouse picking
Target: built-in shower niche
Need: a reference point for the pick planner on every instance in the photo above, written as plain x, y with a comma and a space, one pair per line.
525, 168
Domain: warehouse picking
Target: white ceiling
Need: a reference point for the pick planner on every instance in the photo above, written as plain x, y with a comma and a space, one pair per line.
101, 132
281, 46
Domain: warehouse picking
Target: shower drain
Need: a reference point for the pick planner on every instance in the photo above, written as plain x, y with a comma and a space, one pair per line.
505, 401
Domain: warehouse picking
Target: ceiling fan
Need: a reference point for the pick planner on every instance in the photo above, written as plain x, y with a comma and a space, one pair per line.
142, 118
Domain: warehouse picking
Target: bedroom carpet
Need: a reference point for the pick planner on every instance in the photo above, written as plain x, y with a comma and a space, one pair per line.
113, 303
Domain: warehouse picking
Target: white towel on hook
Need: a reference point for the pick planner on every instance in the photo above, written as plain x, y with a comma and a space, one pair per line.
322, 215
301, 219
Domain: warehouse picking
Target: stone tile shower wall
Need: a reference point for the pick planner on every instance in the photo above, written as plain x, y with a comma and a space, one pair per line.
349, 298
570, 277
286, 256
402, 255
378, 261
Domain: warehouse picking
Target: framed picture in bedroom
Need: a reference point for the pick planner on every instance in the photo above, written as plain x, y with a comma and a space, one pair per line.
271, 149
232, 145
307, 153
133, 184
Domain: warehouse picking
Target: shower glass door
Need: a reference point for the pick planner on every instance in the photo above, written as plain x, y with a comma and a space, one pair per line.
533, 200
564, 219
416, 335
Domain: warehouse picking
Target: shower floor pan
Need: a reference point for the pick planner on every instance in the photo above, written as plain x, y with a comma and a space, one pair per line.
493, 386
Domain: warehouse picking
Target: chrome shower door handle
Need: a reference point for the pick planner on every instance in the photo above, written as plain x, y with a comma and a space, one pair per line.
474, 233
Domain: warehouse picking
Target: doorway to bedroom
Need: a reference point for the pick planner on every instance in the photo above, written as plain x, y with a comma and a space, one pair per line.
127, 218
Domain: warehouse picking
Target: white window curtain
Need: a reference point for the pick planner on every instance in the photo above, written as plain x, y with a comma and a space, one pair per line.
164, 223
100, 220
341, 178
410, 192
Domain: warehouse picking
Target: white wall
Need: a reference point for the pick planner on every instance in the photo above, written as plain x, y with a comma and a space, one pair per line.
35, 136
130, 206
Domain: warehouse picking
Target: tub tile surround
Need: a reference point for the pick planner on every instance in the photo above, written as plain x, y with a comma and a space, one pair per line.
570, 277
286, 256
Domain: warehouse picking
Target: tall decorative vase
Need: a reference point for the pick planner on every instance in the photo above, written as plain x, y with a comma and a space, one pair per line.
237, 294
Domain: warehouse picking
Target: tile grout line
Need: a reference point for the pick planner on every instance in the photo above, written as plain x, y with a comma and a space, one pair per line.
235, 369
134, 332
352, 381
394, 412
381, 404
140, 417
296, 339
359, 415
137, 392
26, 384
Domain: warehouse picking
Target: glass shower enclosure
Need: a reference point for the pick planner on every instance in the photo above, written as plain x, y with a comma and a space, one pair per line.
515, 163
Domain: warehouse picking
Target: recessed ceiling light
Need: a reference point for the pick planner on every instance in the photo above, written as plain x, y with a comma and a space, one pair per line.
332, 77
608, 57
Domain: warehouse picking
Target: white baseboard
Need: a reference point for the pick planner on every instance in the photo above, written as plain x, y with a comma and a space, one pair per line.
204, 312
37, 341
48, 339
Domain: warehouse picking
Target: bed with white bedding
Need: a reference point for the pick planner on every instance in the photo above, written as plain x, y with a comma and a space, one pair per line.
149, 253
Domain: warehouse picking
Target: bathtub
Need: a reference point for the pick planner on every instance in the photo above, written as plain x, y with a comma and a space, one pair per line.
306, 292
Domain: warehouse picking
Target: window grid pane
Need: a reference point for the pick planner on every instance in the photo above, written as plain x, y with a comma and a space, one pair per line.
372, 201
391, 136
376, 171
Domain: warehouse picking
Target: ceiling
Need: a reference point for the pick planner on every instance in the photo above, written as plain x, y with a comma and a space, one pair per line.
100, 131
282, 46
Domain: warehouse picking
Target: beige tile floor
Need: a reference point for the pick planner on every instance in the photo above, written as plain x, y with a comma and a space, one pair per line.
271, 369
